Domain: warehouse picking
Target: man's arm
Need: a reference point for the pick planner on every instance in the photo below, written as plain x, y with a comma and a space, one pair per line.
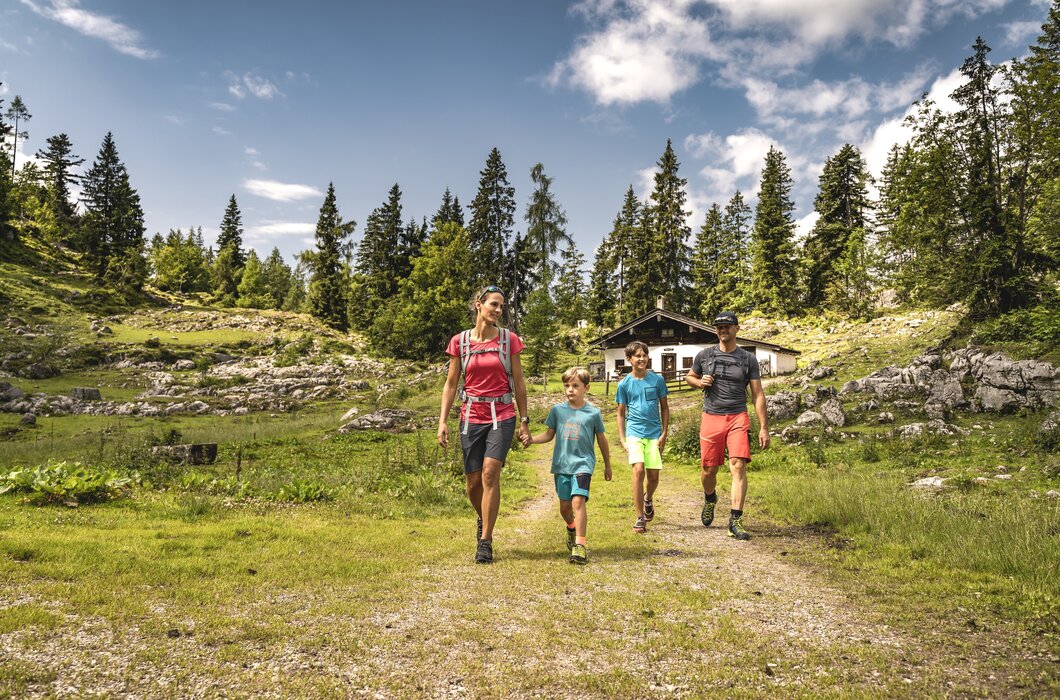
759, 398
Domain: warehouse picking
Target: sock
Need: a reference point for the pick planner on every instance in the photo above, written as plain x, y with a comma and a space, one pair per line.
570, 527
736, 514
579, 540
711, 497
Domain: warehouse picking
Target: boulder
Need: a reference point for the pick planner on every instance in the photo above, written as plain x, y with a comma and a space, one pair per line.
818, 395
349, 415
998, 400
383, 419
885, 417
832, 411
86, 393
198, 407
935, 410
929, 482
11, 393
37, 370
204, 453
818, 373
28, 419
1049, 431
183, 365
937, 427
809, 419
782, 405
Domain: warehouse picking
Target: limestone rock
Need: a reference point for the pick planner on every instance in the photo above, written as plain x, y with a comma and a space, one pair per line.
183, 365
832, 411
809, 419
203, 453
37, 370
28, 419
929, 482
383, 419
86, 393
885, 417
782, 405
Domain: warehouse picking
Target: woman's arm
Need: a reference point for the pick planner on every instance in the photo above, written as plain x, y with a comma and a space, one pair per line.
520, 395
448, 395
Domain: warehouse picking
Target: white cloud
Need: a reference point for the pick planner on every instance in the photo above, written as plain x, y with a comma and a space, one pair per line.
250, 150
120, 37
222, 107
174, 119
736, 161
804, 225
251, 84
1019, 32
221, 131
648, 51
282, 229
281, 192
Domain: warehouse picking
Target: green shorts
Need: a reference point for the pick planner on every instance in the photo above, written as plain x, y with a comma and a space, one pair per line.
644, 450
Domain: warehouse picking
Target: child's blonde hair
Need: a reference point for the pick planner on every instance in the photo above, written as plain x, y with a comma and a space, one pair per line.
580, 372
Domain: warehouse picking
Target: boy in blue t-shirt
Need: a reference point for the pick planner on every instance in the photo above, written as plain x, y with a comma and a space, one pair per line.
643, 422
574, 458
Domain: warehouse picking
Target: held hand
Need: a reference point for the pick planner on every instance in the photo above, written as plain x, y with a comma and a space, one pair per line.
763, 438
524, 434
607, 472
443, 435
526, 440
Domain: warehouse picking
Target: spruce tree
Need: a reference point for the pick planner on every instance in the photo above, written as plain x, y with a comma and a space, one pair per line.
843, 207
449, 212
490, 228
602, 303
16, 113
327, 288
113, 224
667, 235
734, 258
545, 224
253, 287
570, 286
773, 283
231, 235
626, 256
707, 264
59, 162
378, 257
541, 332
6, 180
277, 275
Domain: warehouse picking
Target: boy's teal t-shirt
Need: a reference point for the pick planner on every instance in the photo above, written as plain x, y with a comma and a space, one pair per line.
576, 429
641, 397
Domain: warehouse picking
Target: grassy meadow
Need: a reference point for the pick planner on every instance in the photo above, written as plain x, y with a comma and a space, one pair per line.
305, 562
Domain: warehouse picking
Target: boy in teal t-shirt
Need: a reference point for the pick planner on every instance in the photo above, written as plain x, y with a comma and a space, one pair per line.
577, 424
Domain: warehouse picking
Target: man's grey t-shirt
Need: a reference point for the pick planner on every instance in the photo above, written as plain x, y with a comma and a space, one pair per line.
728, 395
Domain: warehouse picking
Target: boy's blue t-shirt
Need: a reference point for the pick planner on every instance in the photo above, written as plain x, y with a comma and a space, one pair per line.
576, 430
641, 397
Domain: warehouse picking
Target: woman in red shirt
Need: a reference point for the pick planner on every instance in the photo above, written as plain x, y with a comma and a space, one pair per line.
487, 413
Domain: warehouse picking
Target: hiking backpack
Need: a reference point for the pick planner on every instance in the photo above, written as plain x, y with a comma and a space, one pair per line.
504, 350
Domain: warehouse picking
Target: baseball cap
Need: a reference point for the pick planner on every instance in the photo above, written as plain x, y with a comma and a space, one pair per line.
726, 318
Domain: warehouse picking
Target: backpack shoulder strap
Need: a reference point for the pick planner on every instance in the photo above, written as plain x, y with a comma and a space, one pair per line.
465, 350
504, 340
746, 368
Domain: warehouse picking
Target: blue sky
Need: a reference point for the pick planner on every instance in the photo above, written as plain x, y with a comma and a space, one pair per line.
271, 101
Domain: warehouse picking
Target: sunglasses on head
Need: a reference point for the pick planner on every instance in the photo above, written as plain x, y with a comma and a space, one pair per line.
491, 289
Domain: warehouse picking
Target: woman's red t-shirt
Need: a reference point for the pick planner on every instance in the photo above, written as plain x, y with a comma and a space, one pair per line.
486, 377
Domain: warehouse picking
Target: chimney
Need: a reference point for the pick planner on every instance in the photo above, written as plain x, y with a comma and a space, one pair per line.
659, 303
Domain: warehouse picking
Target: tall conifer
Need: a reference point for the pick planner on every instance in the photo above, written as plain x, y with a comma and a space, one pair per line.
773, 282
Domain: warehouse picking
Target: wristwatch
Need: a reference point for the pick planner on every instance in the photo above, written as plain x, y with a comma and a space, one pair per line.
525, 419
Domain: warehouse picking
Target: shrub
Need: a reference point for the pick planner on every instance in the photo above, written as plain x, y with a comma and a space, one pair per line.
683, 440
303, 492
68, 483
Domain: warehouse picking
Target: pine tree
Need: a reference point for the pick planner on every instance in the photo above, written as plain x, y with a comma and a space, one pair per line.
734, 272
521, 275
545, 224
253, 288
626, 256
177, 262
378, 258
6, 180
667, 234
418, 322
17, 112
231, 235
277, 274
570, 286
492, 217
327, 288
773, 283
409, 245
113, 224
602, 303
449, 212
706, 264
843, 207
540, 331
59, 162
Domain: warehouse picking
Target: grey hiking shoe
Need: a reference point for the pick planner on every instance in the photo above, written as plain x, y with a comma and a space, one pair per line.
579, 555
640, 525
736, 529
649, 511
484, 553
707, 515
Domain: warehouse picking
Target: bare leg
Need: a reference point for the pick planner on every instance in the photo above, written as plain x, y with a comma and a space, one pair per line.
566, 512
581, 518
738, 467
653, 482
491, 495
474, 491
638, 489
708, 476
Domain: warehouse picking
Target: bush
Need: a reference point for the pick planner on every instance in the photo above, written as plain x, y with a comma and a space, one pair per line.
67, 483
684, 435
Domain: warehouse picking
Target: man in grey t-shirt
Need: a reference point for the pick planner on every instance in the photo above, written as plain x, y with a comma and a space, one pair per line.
724, 373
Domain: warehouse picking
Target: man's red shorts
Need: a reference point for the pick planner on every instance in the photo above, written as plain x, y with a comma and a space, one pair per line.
719, 432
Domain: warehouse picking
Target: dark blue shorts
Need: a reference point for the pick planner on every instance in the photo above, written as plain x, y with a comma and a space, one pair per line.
483, 441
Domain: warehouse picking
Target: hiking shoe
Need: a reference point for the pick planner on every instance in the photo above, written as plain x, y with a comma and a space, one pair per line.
484, 553
736, 529
707, 515
570, 538
641, 525
649, 511
579, 555
478, 536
